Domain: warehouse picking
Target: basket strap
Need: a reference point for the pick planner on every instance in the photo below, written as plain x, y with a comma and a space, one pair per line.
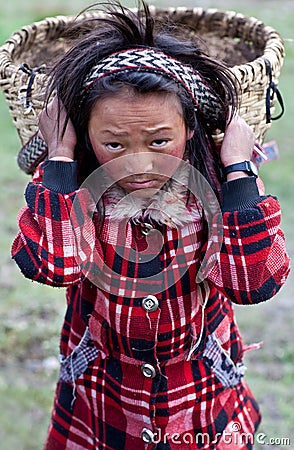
31, 154
270, 92
32, 74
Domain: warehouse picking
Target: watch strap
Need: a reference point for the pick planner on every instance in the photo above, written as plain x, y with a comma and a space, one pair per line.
243, 166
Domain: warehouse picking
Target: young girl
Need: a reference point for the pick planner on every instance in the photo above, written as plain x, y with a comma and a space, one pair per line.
122, 213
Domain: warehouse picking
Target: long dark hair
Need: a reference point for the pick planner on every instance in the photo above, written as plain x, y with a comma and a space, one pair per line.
119, 29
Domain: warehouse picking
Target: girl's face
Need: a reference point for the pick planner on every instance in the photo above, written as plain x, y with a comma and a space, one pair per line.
139, 126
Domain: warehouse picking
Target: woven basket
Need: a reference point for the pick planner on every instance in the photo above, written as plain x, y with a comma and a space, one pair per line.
252, 50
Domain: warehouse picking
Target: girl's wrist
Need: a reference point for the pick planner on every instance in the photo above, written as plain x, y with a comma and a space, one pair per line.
61, 152
61, 158
235, 175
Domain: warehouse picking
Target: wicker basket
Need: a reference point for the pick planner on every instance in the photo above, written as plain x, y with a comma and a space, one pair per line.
253, 51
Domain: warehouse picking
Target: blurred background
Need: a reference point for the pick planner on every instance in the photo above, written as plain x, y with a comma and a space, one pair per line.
31, 315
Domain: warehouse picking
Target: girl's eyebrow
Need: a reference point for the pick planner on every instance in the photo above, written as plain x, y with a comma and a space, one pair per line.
157, 130
115, 133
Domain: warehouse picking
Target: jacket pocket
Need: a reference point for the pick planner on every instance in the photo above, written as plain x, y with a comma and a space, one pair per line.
98, 328
228, 373
78, 361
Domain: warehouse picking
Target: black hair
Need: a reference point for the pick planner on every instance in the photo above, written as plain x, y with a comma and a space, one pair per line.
119, 29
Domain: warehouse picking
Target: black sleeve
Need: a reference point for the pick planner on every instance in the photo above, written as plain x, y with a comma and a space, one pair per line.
60, 176
240, 194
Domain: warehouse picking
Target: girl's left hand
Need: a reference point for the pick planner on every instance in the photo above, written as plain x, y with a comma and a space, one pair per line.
238, 142
60, 146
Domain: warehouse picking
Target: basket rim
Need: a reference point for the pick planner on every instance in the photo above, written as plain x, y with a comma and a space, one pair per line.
273, 49
254, 75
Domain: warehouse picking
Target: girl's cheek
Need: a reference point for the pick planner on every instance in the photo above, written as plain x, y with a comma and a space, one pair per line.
178, 150
115, 170
102, 156
100, 153
168, 167
101, 159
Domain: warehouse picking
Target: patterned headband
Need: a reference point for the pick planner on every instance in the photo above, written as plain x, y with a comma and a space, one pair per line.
157, 62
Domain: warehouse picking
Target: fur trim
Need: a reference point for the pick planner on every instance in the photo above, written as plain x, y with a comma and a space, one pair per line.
168, 206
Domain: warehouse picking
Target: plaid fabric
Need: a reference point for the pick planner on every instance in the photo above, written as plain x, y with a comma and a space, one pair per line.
191, 343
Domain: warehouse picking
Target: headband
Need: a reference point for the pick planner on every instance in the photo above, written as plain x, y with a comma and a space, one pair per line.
157, 62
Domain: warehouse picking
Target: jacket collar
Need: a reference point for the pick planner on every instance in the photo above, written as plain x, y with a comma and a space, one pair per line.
170, 206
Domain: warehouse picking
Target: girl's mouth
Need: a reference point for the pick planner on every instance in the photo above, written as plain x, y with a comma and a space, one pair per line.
142, 184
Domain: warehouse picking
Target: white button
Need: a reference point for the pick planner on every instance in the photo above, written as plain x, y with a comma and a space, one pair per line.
148, 371
150, 303
146, 227
147, 435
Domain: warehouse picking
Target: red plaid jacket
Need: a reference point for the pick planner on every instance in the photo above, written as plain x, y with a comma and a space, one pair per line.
150, 358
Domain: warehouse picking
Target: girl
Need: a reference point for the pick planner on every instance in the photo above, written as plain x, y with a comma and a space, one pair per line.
124, 214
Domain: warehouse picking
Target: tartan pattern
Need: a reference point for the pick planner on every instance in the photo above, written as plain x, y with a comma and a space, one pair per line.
155, 61
114, 402
111, 401
253, 263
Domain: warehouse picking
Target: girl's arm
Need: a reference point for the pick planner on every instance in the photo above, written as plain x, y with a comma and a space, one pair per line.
55, 239
46, 247
252, 263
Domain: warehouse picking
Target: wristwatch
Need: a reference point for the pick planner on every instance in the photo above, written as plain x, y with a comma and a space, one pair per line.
245, 166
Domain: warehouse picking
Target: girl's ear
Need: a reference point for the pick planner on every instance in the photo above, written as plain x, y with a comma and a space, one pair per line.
189, 134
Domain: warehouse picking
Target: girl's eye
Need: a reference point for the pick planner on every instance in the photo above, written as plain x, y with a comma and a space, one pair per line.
113, 146
159, 142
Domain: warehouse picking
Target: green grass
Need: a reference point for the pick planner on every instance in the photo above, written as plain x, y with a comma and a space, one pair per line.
31, 315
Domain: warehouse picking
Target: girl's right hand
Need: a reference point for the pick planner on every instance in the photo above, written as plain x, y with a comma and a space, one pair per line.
59, 147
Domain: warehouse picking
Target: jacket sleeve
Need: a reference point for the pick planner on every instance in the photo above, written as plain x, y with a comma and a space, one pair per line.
251, 263
56, 235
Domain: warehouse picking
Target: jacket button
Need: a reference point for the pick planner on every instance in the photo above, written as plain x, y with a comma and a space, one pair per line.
148, 371
147, 435
150, 303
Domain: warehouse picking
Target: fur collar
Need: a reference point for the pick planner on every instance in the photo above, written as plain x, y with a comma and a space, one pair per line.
169, 206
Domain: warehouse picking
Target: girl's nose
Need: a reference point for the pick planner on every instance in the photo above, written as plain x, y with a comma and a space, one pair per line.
141, 162
149, 167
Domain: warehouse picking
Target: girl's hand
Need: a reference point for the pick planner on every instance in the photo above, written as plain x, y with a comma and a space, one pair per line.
59, 147
238, 143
